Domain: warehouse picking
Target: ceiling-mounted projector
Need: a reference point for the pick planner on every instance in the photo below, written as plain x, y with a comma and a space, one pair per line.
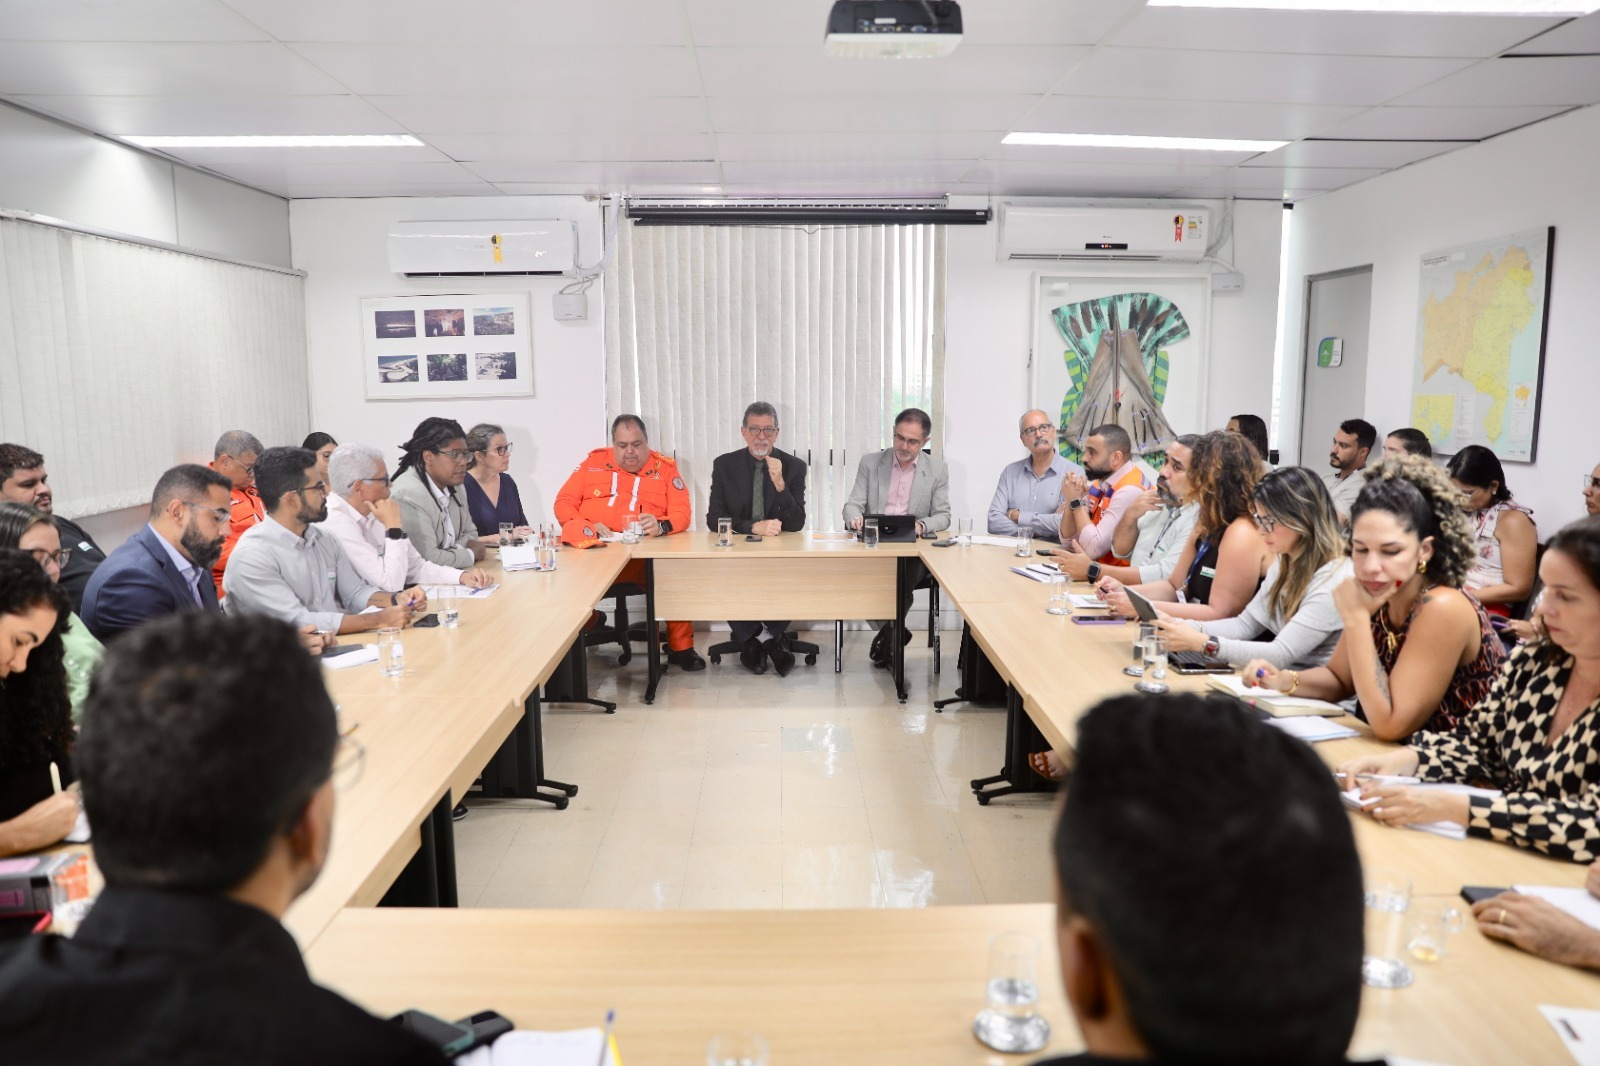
893, 29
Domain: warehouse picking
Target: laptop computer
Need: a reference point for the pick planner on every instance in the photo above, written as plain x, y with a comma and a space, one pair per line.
1185, 662
895, 527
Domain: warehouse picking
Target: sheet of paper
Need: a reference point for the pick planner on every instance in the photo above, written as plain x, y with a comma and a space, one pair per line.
1089, 602
1037, 572
1451, 830
462, 592
80, 830
1575, 901
998, 542
526, 1047
367, 654
1312, 729
1579, 1031
1274, 703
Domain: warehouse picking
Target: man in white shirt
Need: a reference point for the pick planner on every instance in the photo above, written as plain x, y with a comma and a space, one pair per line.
1153, 530
1352, 443
367, 524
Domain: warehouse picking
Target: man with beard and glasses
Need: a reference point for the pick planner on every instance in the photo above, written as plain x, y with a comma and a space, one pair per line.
1352, 443
23, 479
1153, 530
288, 568
166, 566
1029, 491
1093, 503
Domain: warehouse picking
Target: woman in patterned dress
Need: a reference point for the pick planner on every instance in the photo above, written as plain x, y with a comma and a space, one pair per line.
1507, 540
1536, 736
1417, 652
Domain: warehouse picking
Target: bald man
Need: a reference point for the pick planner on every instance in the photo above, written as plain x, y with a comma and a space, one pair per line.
1029, 493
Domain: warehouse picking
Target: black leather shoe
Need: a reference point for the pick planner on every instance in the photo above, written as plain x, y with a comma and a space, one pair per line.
752, 657
459, 812
782, 658
879, 652
687, 660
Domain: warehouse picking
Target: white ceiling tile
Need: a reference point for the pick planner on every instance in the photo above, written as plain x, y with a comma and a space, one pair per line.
573, 146
821, 114
527, 115
1183, 118
274, 157
289, 172
216, 115
1437, 123
1048, 154
1251, 77
78, 69
505, 70
855, 145
642, 188
1533, 81
1382, 154
864, 188
1578, 36
535, 22
797, 22
1284, 179
813, 173
1078, 185
374, 189
548, 171
1328, 32
123, 20
735, 72
1168, 175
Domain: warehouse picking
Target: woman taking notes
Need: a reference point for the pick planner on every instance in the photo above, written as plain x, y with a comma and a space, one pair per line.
1536, 736
1221, 567
1292, 621
1416, 652
492, 497
1507, 540
35, 533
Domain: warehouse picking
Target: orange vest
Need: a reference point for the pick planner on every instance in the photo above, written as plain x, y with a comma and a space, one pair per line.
1097, 504
601, 491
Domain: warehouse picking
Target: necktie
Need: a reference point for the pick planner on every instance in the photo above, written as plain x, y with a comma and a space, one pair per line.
758, 506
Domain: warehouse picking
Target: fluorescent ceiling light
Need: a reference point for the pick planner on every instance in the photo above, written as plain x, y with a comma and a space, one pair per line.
1118, 140
372, 140
1403, 7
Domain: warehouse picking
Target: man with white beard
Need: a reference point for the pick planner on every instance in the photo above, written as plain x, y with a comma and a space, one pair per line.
763, 491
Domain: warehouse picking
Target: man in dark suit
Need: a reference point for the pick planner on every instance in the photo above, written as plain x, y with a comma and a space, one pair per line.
166, 566
763, 490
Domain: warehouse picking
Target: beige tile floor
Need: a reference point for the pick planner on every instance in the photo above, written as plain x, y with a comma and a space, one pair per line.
734, 791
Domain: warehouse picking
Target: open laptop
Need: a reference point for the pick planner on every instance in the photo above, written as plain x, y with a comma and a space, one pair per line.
1185, 662
895, 527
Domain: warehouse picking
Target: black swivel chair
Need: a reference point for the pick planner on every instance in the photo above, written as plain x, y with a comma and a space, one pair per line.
796, 645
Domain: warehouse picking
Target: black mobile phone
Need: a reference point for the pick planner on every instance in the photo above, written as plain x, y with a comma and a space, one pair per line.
1044, 551
427, 621
1097, 620
1209, 666
945, 543
487, 1026
451, 1038
929, 535
751, 536
341, 649
1478, 893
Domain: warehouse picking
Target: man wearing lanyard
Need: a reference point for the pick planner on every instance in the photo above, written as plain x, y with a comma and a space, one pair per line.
1153, 530
235, 459
1091, 511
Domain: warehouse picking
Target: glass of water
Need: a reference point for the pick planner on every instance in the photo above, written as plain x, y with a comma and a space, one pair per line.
1142, 633
1057, 590
1388, 897
1010, 1021
505, 534
737, 1049
724, 532
1430, 925
869, 533
1024, 542
1155, 664
391, 652
964, 530
635, 531
449, 611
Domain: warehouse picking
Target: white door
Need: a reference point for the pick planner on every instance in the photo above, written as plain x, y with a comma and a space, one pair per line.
1338, 307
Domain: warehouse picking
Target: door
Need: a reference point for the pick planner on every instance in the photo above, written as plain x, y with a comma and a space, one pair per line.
1338, 311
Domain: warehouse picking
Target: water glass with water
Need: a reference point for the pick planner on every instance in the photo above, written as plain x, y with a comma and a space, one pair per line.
1430, 924
1056, 590
964, 530
391, 652
1010, 1021
1154, 680
449, 610
635, 531
1024, 542
553, 538
869, 532
505, 534
547, 556
724, 532
1388, 897
737, 1049
1144, 632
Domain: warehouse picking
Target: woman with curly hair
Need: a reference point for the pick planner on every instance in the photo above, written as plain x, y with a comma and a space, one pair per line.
1417, 652
1221, 567
35, 532
35, 716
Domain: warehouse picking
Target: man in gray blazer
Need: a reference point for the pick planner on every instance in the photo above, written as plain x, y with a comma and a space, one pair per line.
902, 480
433, 506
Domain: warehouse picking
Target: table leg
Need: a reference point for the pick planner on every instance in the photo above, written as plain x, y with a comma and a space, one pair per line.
838, 645
1022, 739
650, 624
418, 884
442, 826
529, 739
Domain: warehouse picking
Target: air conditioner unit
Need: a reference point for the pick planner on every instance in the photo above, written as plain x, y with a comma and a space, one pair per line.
1175, 231
478, 249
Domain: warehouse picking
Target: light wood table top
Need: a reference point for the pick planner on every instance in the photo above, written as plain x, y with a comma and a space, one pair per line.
974, 573
702, 544
847, 987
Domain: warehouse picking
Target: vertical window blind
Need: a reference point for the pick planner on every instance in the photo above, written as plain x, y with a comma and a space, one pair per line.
838, 327
119, 359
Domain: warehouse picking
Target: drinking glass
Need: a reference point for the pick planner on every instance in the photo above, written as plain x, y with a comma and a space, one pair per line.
724, 532
1145, 631
391, 652
964, 530
547, 556
1430, 925
635, 531
737, 1049
869, 532
505, 534
449, 611
1057, 591
553, 538
1155, 665
1388, 896
1024, 541
1010, 1021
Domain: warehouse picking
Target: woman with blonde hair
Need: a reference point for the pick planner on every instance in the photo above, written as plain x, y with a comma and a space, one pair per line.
1292, 621
1417, 651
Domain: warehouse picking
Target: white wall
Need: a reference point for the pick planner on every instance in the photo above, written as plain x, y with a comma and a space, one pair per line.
342, 247
987, 340
1538, 176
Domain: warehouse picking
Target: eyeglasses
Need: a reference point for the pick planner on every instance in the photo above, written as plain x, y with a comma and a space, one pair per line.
1039, 430
1264, 522
42, 556
251, 469
321, 486
504, 449
762, 431
349, 759
385, 479
907, 442
459, 455
221, 514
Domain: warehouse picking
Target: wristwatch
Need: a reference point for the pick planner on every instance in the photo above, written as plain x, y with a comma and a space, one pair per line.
1213, 648
1074, 504
666, 526
395, 534
1094, 571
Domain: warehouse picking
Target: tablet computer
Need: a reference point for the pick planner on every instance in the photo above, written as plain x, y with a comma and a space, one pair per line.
1141, 606
895, 527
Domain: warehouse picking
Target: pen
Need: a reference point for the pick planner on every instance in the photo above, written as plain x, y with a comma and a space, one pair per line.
55, 778
1570, 1030
605, 1037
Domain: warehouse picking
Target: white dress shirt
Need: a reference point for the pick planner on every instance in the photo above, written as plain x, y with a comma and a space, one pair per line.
391, 565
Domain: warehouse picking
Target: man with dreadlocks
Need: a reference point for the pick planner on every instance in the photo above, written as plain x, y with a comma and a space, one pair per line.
433, 506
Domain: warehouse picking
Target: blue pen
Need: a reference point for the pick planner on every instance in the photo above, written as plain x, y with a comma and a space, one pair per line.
605, 1037
1260, 673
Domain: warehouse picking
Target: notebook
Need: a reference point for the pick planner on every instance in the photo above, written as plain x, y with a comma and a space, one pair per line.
527, 1047
1274, 703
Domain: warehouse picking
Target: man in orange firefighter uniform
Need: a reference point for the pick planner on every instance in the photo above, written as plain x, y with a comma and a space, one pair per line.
625, 483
